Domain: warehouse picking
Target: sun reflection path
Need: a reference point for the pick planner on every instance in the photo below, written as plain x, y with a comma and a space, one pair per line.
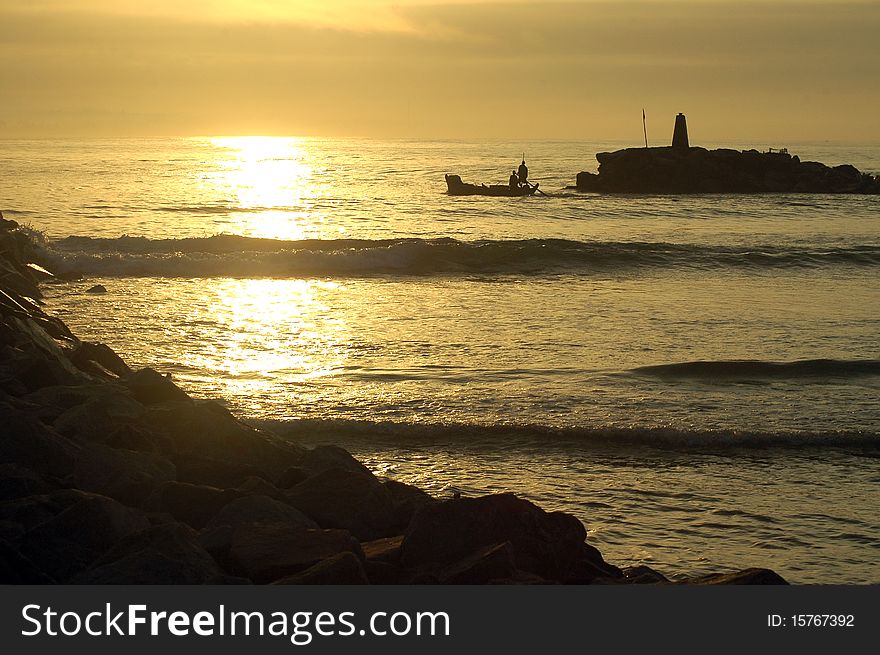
273, 185
267, 332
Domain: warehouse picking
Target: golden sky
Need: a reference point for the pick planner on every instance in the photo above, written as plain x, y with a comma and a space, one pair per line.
778, 69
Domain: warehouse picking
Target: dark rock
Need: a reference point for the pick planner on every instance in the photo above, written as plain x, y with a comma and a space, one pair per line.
349, 500
383, 550
31, 511
487, 564
49, 403
28, 442
18, 481
324, 458
11, 531
643, 575
150, 387
387, 574
99, 417
407, 501
129, 436
265, 552
292, 477
259, 509
753, 576
547, 544
224, 579
343, 568
522, 578
256, 486
205, 430
70, 541
100, 354
98, 288
17, 569
590, 567
163, 554
126, 475
697, 170
213, 472
192, 504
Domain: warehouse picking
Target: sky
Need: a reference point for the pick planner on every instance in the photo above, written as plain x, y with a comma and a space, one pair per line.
779, 69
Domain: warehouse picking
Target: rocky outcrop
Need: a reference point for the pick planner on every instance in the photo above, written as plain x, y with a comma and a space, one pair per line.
112, 476
698, 170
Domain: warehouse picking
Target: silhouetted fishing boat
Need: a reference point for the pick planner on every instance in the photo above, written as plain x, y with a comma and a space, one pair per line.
458, 188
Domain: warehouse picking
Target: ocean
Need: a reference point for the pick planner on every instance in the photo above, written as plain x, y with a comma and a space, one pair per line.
697, 378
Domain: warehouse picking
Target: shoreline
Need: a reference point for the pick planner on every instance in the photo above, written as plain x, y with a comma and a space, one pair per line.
114, 476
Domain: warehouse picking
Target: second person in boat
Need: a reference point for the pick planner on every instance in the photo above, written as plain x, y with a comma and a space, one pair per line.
523, 173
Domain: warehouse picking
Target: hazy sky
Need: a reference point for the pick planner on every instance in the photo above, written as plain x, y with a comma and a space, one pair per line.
779, 70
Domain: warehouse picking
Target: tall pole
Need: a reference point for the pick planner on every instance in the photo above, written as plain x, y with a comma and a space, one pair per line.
645, 127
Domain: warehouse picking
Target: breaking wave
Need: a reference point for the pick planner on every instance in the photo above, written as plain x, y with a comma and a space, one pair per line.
238, 256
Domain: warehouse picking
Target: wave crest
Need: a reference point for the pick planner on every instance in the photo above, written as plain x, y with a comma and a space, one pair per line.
238, 256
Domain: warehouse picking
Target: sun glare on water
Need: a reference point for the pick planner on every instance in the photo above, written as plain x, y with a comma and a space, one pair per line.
266, 333
271, 185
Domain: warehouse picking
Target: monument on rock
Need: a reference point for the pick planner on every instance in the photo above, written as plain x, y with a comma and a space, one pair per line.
682, 168
680, 133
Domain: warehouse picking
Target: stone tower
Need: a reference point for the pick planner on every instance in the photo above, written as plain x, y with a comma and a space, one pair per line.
680, 134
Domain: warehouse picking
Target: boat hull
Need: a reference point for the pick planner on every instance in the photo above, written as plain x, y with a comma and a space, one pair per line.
455, 187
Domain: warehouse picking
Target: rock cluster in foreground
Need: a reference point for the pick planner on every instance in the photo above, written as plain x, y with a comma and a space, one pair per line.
698, 170
111, 476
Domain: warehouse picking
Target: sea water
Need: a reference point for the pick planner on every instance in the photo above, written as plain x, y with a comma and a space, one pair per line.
697, 378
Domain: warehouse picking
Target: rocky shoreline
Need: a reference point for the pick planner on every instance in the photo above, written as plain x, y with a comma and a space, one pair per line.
698, 170
114, 476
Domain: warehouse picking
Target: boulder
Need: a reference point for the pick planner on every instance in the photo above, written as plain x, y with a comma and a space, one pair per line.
213, 472
292, 476
753, 576
49, 403
643, 575
383, 550
99, 416
349, 500
69, 542
548, 544
17, 569
259, 509
126, 475
18, 481
206, 430
192, 504
163, 554
254, 485
28, 442
324, 458
150, 387
387, 574
98, 288
343, 568
265, 552
31, 511
591, 567
407, 501
487, 564
101, 354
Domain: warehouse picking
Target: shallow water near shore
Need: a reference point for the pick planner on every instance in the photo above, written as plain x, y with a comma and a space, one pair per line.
696, 378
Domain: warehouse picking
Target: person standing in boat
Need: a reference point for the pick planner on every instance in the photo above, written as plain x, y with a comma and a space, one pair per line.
514, 180
523, 172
